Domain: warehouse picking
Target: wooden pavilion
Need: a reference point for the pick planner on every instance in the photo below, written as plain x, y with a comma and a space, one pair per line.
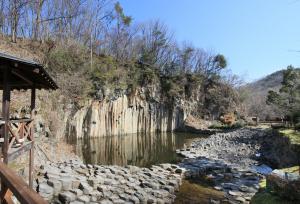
16, 134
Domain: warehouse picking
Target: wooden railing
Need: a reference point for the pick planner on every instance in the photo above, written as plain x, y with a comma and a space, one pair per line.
20, 131
16, 138
12, 184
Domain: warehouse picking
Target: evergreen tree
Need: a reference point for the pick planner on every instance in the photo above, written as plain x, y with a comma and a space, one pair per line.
288, 97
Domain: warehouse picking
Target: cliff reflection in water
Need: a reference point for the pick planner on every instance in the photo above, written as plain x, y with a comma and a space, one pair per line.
134, 149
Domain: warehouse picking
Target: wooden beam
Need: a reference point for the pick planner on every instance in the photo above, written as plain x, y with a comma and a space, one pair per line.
21, 76
18, 187
16, 152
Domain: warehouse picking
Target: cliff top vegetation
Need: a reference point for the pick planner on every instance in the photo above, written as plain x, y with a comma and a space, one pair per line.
96, 50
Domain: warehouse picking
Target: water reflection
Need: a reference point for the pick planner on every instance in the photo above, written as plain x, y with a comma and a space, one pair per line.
134, 149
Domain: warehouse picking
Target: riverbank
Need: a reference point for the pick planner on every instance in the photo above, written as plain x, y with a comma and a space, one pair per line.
234, 162
245, 148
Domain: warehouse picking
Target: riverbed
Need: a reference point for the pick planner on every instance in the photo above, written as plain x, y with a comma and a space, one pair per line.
144, 150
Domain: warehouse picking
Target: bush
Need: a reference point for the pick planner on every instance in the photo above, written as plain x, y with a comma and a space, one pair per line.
228, 119
68, 59
297, 126
218, 125
239, 124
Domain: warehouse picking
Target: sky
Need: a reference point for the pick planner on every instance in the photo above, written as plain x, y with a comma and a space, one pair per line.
258, 37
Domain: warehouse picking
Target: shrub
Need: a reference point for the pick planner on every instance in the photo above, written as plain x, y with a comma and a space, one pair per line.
228, 119
297, 126
239, 124
218, 125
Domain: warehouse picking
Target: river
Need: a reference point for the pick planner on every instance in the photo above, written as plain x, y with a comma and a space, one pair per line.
141, 149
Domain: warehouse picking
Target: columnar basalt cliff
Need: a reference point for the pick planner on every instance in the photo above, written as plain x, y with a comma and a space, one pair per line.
124, 115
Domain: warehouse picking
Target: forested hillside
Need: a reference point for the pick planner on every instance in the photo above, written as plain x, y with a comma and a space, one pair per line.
255, 96
96, 51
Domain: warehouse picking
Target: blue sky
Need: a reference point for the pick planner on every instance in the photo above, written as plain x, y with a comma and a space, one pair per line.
257, 37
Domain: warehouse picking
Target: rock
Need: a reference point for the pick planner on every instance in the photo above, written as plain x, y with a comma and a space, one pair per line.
142, 196
84, 198
107, 194
102, 188
231, 186
45, 190
77, 192
169, 188
86, 188
150, 185
124, 196
173, 183
105, 202
247, 189
75, 184
56, 185
76, 202
228, 176
151, 200
160, 201
248, 198
66, 183
218, 188
118, 201
234, 193
66, 197
134, 199
212, 201
97, 195
179, 171
240, 199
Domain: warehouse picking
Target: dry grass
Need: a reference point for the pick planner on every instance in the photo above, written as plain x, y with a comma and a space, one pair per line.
293, 135
24, 49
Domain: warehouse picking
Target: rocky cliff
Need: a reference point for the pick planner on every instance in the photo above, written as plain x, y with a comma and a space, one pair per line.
124, 115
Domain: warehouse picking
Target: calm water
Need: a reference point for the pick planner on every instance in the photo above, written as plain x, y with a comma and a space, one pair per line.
134, 149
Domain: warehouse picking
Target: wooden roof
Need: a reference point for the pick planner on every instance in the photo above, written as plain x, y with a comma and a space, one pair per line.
25, 74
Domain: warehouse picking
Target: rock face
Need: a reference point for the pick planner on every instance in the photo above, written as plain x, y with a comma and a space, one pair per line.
124, 115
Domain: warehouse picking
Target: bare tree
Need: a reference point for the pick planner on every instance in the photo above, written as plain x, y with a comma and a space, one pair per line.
38, 6
16, 9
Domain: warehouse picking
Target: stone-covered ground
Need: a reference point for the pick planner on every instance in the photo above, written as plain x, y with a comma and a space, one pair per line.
232, 162
238, 185
236, 147
75, 183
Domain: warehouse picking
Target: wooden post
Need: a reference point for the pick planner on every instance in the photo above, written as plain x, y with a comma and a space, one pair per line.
5, 116
5, 111
31, 152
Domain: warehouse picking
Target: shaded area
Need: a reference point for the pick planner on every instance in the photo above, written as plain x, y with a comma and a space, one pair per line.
133, 149
192, 192
269, 198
